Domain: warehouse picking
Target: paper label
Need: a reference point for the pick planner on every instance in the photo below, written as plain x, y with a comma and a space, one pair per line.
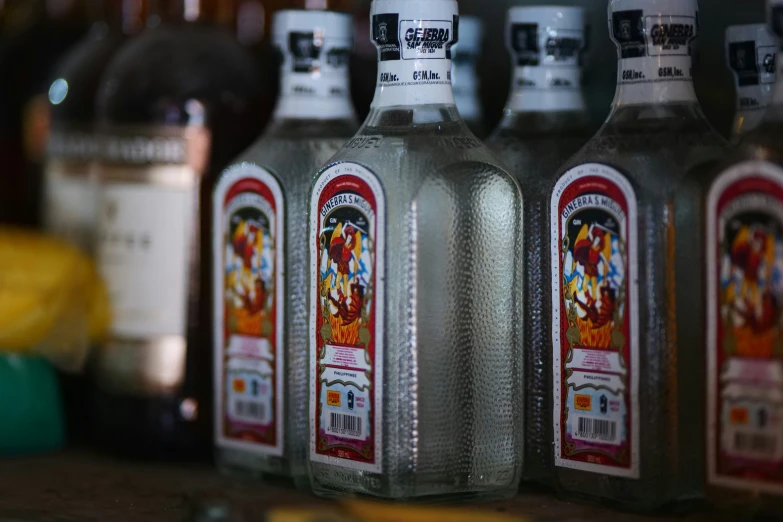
745, 340
248, 298
347, 234
595, 325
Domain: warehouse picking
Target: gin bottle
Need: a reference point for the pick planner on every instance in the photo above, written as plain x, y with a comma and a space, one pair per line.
415, 287
465, 81
260, 251
751, 52
744, 278
625, 227
177, 104
545, 123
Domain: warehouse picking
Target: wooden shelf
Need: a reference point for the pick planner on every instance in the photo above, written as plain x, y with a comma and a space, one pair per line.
83, 487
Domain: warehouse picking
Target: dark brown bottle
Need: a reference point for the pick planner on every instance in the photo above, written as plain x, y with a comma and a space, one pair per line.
30, 58
70, 205
176, 105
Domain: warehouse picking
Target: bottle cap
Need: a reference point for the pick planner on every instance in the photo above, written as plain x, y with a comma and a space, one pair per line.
653, 28
305, 32
471, 33
546, 35
750, 54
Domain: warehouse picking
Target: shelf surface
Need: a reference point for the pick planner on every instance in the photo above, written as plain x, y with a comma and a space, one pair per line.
84, 487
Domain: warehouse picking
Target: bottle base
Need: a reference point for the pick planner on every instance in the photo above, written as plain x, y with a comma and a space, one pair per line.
249, 466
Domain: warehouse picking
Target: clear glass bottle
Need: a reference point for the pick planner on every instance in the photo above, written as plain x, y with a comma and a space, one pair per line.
744, 270
70, 188
544, 124
751, 52
260, 242
465, 81
625, 235
415, 288
177, 104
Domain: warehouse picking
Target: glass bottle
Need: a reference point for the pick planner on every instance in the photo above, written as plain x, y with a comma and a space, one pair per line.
750, 54
30, 57
625, 229
415, 287
177, 103
744, 270
465, 82
70, 197
260, 248
544, 124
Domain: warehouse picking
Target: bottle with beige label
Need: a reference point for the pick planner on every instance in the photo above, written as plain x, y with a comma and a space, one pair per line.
259, 251
625, 241
70, 185
414, 287
176, 105
744, 300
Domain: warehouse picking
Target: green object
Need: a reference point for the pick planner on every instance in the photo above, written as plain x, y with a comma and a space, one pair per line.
30, 406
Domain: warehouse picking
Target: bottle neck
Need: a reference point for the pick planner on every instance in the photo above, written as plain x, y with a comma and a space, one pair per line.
466, 86
319, 94
654, 80
774, 112
413, 82
546, 89
752, 104
126, 16
217, 12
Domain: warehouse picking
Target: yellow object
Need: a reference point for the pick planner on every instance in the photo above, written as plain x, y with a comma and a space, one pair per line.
52, 302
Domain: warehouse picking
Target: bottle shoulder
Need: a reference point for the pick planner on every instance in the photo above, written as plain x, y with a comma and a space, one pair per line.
79, 76
157, 74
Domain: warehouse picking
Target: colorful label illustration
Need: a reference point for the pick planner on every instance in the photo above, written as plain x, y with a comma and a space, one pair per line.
745, 321
249, 310
346, 353
595, 331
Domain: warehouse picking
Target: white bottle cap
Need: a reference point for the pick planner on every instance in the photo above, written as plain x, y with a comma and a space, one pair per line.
414, 40
316, 47
471, 33
546, 35
325, 25
750, 54
654, 40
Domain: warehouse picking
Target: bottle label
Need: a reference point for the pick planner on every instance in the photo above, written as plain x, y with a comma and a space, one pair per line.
595, 321
148, 240
248, 300
415, 57
745, 340
70, 187
655, 49
347, 232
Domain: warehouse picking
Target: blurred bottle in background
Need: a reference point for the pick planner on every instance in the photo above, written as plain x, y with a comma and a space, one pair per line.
464, 80
176, 105
544, 124
744, 270
27, 63
751, 51
260, 247
70, 197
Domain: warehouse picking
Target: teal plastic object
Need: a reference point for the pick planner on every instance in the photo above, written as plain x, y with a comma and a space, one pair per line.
30, 406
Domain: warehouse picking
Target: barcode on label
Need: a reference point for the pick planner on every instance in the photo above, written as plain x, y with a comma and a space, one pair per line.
345, 425
250, 410
597, 430
755, 444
